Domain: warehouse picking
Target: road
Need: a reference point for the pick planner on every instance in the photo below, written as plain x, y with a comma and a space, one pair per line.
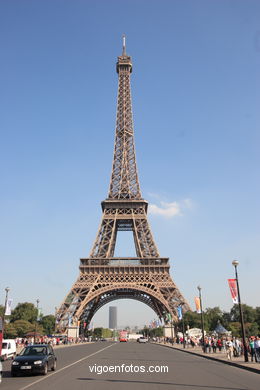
79, 368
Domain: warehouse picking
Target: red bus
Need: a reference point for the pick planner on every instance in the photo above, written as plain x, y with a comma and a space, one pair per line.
123, 336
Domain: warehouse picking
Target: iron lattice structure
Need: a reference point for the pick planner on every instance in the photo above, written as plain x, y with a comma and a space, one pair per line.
103, 277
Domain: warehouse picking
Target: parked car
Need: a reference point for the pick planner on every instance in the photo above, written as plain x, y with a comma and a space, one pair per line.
8, 349
35, 359
142, 340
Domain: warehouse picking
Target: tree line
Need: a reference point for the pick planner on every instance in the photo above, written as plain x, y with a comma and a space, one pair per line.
23, 320
212, 316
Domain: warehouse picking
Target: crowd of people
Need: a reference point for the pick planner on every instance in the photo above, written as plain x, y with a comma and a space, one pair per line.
232, 346
54, 340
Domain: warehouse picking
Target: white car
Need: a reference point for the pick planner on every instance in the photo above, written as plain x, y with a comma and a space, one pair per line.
142, 340
8, 349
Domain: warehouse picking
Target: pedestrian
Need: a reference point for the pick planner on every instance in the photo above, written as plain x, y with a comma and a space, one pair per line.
214, 345
229, 349
257, 349
235, 352
219, 344
252, 349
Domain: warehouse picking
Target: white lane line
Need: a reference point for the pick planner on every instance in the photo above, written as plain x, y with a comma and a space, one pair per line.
64, 368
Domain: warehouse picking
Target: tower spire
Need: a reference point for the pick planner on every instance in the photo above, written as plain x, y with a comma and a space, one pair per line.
124, 46
124, 183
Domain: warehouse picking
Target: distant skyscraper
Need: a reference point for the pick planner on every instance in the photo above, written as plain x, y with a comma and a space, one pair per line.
112, 317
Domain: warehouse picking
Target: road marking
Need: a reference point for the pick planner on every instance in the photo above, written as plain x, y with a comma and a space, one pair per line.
64, 368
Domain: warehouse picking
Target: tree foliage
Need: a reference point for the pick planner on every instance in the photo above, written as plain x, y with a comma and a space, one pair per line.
48, 324
249, 313
23, 327
230, 320
191, 318
97, 332
24, 311
10, 332
24, 316
2, 309
213, 316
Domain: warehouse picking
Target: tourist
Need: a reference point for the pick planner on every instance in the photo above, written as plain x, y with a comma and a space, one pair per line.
229, 349
252, 349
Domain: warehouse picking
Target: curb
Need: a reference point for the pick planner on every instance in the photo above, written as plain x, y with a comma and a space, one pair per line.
255, 370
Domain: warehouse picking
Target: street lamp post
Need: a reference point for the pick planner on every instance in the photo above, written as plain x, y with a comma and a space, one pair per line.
55, 325
183, 329
171, 331
37, 301
7, 289
202, 319
235, 264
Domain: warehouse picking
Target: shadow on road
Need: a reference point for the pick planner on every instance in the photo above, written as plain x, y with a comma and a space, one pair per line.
6, 374
161, 383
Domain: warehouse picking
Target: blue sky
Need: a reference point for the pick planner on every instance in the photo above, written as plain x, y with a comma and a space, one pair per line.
196, 95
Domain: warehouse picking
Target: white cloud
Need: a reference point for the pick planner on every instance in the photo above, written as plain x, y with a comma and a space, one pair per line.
170, 210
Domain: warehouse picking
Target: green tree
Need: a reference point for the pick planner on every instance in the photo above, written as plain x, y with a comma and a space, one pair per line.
235, 328
252, 329
97, 332
192, 319
24, 311
257, 313
213, 315
226, 319
10, 331
2, 309
107, 333
249, 313
156, 332
22, 327
48, 323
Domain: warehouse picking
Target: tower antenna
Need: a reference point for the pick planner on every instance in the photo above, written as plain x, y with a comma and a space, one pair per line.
124, 46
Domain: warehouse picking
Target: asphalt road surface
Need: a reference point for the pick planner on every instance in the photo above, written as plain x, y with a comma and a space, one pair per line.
133, 366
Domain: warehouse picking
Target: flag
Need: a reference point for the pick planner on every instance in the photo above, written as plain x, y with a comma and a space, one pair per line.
233, 289
39, 312
70, 320
197, 304
8, 307
169, 317
179, 312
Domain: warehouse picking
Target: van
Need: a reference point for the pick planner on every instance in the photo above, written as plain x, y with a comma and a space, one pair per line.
8, 349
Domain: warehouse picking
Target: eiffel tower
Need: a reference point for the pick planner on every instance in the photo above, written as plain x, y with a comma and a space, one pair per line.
103, 277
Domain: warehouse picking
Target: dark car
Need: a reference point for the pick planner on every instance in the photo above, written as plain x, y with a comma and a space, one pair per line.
35, 359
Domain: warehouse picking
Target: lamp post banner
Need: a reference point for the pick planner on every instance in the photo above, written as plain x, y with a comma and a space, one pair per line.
8, 307
197, 304
179, 311
233, 289
169, 317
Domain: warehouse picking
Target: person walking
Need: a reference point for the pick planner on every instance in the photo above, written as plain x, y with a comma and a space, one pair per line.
229, 349
257, 349
252, 349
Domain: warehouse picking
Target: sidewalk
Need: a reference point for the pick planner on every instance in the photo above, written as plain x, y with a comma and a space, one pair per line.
218, 356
